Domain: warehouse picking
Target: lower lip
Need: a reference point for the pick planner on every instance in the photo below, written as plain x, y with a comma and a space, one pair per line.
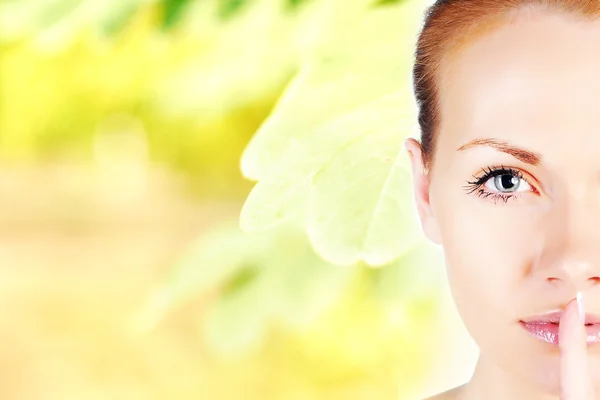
548, 332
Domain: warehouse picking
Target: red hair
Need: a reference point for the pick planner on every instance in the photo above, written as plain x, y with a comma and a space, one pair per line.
450, 24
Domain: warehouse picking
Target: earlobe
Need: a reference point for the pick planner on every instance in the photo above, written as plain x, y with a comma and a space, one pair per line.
421, 186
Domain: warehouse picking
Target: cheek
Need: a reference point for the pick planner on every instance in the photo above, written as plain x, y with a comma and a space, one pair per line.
487, 250
486, 253
485, 247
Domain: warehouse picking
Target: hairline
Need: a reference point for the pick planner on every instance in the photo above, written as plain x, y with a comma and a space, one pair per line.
469, 33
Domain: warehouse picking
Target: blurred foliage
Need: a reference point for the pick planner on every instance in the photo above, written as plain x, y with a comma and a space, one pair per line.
317, 93
172, 11
184, 86
340, 161
256, 285
174, 65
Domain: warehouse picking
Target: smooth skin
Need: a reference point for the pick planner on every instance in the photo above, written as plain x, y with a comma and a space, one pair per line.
532, 84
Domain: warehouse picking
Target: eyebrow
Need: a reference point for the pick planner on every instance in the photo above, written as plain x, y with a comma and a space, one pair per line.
524, 155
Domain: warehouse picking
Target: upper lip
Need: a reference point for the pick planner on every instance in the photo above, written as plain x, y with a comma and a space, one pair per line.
554, 317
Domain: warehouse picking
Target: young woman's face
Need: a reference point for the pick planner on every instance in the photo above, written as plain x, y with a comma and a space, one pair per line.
525, 97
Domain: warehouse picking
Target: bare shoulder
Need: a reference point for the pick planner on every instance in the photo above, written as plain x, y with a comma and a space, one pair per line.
452, 394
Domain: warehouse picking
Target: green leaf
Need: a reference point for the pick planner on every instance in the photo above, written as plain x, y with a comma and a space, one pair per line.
361, 206
332, 149
324, 99
360, 55
283, 191
272, 203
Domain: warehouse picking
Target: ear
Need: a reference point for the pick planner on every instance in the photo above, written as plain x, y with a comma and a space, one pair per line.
421, 185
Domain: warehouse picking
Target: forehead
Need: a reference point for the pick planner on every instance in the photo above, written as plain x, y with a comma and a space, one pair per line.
534, 78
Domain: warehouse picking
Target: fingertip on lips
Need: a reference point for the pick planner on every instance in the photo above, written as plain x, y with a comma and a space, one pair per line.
550, 326
580, 308
572, 324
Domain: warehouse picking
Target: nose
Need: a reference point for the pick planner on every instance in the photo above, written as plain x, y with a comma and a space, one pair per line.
569, 254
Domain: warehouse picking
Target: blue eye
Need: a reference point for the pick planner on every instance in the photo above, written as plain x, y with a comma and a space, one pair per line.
507, 183
499, 183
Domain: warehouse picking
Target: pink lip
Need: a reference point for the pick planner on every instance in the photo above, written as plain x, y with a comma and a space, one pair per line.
545, 327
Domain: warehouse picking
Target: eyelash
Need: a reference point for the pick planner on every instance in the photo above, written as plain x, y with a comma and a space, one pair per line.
477, 185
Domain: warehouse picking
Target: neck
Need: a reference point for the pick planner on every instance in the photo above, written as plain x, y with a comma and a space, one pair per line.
490, 382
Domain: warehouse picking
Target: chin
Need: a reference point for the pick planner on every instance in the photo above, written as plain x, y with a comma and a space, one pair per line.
523, 361
543, 371
547, 378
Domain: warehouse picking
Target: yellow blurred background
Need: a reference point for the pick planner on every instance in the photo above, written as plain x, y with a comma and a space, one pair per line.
122, 124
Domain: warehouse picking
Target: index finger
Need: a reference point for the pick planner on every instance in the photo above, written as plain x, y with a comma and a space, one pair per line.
575, 378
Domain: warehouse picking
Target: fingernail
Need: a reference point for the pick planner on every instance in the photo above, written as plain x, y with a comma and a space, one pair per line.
580, 308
